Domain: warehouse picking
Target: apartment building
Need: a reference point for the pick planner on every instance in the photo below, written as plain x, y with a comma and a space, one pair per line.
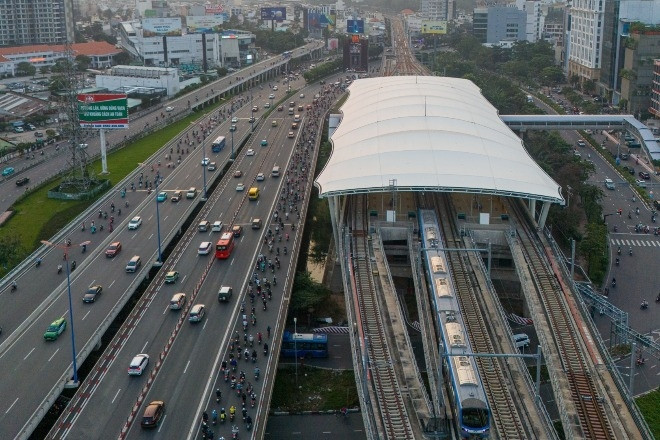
30, 22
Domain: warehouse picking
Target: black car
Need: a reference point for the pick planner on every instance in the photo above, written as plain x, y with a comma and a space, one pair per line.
644, 175
22, 181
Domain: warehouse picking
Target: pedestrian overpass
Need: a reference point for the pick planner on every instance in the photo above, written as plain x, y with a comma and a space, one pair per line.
587, 122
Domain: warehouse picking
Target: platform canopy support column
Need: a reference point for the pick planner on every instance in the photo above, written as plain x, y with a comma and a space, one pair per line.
333, 207
544, 214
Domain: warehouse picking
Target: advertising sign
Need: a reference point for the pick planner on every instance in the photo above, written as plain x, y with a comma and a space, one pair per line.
333, 43
204, 24
214, 9
355, 26
434, 27
103, 110
313, 20
277, 14
161, 26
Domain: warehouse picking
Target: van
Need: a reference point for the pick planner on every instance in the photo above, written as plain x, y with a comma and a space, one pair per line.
133, 264
292, 104
521, 340
530, 98
275, 172
609, 184
192, 192
296, 118
253, 193
217, 226
224, 294
256, 223
290, 111
204, 225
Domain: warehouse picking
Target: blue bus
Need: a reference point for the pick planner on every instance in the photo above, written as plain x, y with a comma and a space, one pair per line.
218, 144
308, 345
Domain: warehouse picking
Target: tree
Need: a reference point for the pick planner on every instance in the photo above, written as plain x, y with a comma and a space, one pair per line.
25, 69
307, 294
552, 75
83, 62
122, 57
11, 251
44, 69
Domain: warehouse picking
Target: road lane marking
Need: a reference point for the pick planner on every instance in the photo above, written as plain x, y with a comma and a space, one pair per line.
11, 406
186, 369
113, 282
27, 355
162, 423
53, 355
165, 218
88, 312
151, 236
150, 217
116, 394
91, 284
183, 279
144, 346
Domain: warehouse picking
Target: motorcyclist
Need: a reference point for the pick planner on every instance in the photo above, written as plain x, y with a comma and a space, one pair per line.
218, 394
59, 268
257, 372
613, 282
254, 355
214, 416
14, 285
232, 412
223, 415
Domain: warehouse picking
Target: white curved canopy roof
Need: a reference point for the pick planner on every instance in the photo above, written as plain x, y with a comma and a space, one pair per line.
425, 133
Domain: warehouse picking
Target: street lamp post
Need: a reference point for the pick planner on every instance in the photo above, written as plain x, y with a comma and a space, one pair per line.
160, 255
295, 346
74, 380
231, 115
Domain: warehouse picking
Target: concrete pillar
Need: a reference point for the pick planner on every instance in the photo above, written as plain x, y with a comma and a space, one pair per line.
532, 208
544, 215
333, 206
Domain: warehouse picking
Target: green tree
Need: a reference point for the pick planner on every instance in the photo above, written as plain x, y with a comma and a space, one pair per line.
122, 58
594, 249
44, 70
11, 251
306, 294
552, 75
83, 62
25, 69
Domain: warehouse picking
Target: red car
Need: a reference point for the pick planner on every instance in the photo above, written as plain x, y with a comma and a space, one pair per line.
113, 249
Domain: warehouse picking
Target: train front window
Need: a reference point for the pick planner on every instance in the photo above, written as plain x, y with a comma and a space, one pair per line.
475, 417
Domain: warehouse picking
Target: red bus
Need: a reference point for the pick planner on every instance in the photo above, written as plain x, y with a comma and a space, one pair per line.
225, 245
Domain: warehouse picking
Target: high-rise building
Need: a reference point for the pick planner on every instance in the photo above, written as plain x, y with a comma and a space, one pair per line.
495, 24
28, 22
437, 10
585, 39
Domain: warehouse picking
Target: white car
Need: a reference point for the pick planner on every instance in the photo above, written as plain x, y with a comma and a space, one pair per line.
240, 187
250, 152
205, 248
197, 313
138, 364
302, 95
206, 161
271, 96
135, 222
641, 183
169, 109
234, 120
260, 177
275, 88
212, 166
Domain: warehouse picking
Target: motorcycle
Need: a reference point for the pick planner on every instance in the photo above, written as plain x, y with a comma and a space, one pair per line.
630, 252
617, 261
613, 282
59, 269
618, 251
256, 373
640, 361
644, 305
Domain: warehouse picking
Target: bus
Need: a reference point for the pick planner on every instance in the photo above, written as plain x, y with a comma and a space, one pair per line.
218, 144
225, 245
307, 345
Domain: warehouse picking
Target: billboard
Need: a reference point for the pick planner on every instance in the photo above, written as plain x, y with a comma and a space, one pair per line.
152, 27
333, 43
103, 110
214, 9
313, 20
355, 26
204, 24
434, 27
277, 14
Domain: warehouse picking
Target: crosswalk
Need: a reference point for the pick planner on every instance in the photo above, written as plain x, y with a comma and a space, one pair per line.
642, 243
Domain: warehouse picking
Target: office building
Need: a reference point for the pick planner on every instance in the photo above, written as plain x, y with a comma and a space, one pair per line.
499, 23
30, 22
585, 33
437, 10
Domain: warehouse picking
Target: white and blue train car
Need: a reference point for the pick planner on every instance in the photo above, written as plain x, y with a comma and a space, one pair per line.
468, 395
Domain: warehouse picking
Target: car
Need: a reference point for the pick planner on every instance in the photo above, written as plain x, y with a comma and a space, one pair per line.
153, 414
22, 181
302, 96
232, 128
217, 226
301, 108
267, 105
237, 230
260, 177
234, 120
206, 161
280, 108
264, 143
238, 173
135, 222
38, 134
630, 170
240, 187
252, 119
55, 329
176, 196
19, 130
113, 249
274, 123
249, 152
294, 126
197, 313
171, 277
256, 223
169, 108
92, 293
204, 248
290, 135
271, 96
133, 264
138, 364
212, 166
641, 183
255, 108
224, 293
644, 175
178, 301
8, 171
581, 143
162, 196
576, 153
275, 88
309, 106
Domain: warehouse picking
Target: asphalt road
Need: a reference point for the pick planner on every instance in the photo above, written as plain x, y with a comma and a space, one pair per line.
57, 160
36, 367
191, 371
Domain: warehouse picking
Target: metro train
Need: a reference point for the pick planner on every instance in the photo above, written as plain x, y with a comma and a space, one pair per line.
468, 394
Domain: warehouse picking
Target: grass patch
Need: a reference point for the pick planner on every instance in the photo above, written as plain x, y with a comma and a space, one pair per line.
648, 405
319, 390
36, 217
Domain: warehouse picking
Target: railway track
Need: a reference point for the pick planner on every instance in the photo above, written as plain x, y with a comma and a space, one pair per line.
585, 396
504, 414
405, 63
391, 406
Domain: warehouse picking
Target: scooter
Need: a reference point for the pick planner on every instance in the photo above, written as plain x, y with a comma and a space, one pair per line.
630, 252
644, 305
617, 261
